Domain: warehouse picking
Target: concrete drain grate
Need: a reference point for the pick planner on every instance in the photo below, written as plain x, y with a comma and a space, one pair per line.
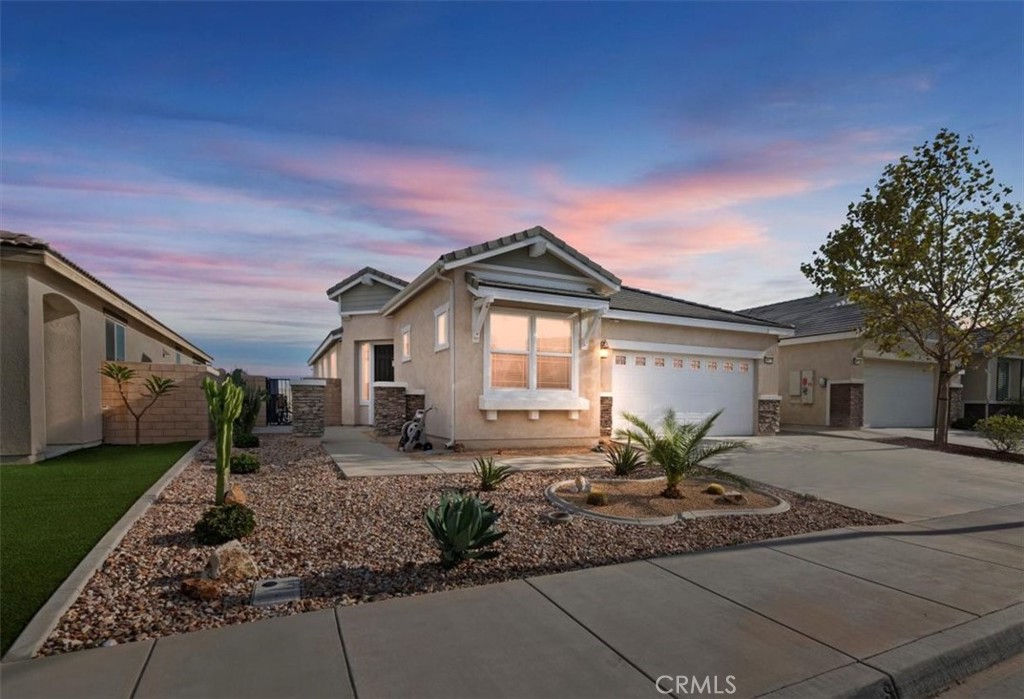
276, 591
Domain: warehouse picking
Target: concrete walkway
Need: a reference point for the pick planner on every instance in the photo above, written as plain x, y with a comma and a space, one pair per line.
359, 455
903, 610
965, 438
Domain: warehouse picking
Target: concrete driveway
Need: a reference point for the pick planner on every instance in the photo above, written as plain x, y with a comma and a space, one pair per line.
898, 482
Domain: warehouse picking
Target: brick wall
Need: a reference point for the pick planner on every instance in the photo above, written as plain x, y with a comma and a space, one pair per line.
606, 416
388, 409
769, 412
178, 416
846, 405
332, 402
308, 409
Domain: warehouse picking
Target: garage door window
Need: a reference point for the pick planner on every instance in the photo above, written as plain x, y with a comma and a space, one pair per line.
531, 352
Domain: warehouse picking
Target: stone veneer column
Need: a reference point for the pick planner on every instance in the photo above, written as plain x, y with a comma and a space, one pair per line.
388, 407
414, 402
956, 402
606, 416
769, 413
332, 402
308, 408
846, 407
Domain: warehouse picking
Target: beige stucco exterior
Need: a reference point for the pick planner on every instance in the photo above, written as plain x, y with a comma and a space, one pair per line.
829, 359
53, 345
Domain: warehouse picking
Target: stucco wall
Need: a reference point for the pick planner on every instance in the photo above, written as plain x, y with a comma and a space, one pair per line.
976, 380
358, 329
15, 414
832, 360
178, 416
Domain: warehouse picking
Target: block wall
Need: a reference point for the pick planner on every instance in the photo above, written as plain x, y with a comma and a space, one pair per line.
176, 417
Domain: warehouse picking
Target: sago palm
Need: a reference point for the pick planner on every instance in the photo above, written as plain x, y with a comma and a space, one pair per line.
677, 448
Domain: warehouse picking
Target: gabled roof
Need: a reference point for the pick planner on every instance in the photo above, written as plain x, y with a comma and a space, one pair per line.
537, 232
21, 241
357, 278
821, 314
640, 301
332, 337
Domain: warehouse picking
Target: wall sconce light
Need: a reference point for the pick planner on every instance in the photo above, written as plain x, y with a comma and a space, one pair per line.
823, 382
769, 359
604, 349
857, 361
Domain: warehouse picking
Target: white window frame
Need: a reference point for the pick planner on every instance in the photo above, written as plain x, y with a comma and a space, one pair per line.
118, 356
442, 343
532, 392
405, 342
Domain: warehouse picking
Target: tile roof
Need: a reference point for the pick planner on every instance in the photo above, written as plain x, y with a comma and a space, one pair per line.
821, 314
366, 270
535, 232
640, 301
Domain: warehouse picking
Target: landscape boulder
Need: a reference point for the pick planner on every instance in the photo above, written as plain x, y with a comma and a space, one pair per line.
201, 589
231, 562
235, 496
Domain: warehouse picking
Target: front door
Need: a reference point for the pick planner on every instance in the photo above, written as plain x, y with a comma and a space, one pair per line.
383, 362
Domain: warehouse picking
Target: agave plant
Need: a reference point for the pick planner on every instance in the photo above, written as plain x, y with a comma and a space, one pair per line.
463, 528
678, 448
625, 458
491, 475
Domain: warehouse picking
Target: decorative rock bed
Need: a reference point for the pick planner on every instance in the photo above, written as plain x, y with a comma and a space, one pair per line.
551, 493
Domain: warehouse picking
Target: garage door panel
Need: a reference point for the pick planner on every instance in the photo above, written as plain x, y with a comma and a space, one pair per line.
647, 385
898, 394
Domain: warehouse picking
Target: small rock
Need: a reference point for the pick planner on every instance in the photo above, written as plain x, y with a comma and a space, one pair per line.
732, 497
235, 496
200, 588
582, 484
108, 643
231, 562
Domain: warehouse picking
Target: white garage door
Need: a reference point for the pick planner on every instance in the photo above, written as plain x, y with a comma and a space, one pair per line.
647, 384
898, 394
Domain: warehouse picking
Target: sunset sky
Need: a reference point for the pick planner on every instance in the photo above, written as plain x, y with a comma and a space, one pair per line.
222, 165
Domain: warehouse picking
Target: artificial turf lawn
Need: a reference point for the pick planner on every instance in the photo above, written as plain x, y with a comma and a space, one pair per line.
53, 513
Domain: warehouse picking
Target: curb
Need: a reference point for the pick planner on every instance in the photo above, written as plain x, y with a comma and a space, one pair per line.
45, 620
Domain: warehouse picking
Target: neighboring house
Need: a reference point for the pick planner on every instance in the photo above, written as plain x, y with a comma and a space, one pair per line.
523, 340
59, 324
993, 386
829, 375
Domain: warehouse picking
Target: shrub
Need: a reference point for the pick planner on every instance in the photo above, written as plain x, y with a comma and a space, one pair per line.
245, 441
715, 489
245, 463
223, 523
463, 528
964, 423
1004, 432
597, 499
624, 458
490, 474
252, 402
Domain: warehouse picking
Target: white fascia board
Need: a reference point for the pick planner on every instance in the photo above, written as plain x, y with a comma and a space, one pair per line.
828, 337
893, 357
327, 343
356, 282
516, 275
694, 350
402, 297
345, 314
539, 298
637, 317
553, 249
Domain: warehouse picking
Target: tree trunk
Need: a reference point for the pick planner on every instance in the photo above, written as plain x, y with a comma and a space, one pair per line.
138, 421
942, 408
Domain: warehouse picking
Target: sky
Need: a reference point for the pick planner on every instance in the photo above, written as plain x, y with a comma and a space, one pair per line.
223, 164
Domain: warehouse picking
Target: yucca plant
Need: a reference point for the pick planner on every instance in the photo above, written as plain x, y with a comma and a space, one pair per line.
491, 475
678, 448
463, 528
624, 458
154, 387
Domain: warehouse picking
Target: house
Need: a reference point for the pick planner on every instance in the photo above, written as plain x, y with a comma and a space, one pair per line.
525, 341
59, 324
993, 385
831, 376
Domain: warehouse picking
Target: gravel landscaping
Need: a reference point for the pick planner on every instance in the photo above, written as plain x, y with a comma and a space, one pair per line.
642, 498
361, 540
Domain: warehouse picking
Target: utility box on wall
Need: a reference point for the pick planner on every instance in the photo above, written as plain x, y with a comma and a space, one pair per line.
807, 387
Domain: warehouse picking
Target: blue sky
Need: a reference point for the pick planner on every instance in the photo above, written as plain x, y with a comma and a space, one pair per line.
224, 164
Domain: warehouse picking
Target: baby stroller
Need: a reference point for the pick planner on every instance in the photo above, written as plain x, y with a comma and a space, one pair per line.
414, 432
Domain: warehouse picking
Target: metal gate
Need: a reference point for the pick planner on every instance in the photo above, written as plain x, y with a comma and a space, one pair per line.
279, 402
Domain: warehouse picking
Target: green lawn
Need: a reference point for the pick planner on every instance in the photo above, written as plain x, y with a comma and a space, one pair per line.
53, 513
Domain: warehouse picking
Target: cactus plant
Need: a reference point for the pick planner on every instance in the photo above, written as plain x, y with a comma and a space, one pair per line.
597, 498
715, 489
253, 398
225, 402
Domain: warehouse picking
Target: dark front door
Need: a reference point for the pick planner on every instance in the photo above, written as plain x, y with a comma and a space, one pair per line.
384, 363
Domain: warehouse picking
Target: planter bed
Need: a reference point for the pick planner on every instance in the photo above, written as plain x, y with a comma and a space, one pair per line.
361, 540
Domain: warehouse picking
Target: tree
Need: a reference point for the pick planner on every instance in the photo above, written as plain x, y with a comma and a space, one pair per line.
678, 448
154, 387
935, 257
224, 400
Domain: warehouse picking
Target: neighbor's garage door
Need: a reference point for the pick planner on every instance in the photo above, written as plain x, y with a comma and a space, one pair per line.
898, 394
647, 384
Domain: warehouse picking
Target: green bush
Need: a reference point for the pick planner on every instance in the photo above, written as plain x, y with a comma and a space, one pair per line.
964, 423
223, 523
245, 463
624, 458
597, 499
490, 474
1004, 432
463, 528
245, 441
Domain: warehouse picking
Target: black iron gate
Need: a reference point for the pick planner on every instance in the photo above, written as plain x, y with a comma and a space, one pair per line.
279, 402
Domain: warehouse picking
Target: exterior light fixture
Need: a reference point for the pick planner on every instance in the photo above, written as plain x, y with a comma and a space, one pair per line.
857, 361
769, 359
604, 349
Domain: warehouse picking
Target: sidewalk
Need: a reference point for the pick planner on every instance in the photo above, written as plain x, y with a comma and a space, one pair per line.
907, 608
965, 438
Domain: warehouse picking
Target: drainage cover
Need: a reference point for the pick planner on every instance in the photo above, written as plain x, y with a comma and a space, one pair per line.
276, 591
